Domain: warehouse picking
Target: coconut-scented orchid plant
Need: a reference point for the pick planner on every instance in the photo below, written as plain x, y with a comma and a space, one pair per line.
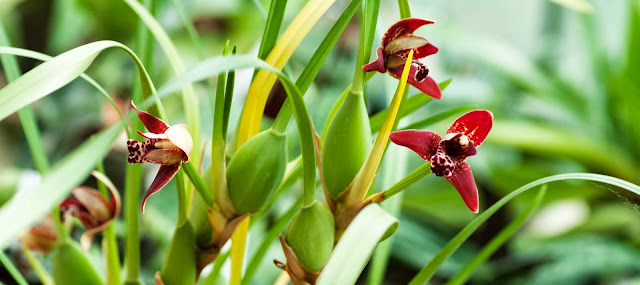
255, 177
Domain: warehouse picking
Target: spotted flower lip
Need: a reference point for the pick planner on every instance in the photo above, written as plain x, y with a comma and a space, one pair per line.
166, 145
448, 155
396, 44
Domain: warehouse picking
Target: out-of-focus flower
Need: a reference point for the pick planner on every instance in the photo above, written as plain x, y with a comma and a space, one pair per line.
92, 208
448, 155
41, 237
166, 145
396, 44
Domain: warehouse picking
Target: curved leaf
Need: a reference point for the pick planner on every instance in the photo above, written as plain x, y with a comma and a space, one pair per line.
426, 272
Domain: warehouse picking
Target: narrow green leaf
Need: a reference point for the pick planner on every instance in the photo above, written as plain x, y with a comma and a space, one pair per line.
403, 6
39, 82
272, 28
315, 63
27, 207
13, 270
228, 98
26, 115
355, 247
427, 272
85, 77
495, 243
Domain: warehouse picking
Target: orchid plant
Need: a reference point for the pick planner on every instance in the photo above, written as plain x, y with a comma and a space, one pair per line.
256, 179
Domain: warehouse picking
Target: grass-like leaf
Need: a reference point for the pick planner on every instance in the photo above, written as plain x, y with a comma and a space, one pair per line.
354, 249
315, 63
257, 97
499, 240
427, 272
13, 270
57, 72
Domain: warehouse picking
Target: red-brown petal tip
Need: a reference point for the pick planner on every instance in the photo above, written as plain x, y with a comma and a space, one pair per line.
475, 125
153, 123
462, 179
424, 143
376, 65
165, 173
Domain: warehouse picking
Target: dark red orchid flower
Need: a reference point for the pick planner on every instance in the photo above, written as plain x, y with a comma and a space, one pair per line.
396, 44
92, 209
41, 237
166, 145
448, 155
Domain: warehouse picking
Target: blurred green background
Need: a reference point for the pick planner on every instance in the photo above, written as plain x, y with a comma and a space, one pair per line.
561, 77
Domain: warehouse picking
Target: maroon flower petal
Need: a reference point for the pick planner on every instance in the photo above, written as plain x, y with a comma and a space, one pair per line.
152, 123
462, 179
427, 85
475, 125
424, 51
424, 143
376, 65
163, 177
403, 27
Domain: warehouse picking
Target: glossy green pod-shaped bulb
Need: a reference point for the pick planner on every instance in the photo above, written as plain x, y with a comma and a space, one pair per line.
346, 144
180, 263
256, 170
70, 266
311, 235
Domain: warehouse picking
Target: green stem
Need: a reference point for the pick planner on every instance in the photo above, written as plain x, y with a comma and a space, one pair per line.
198, 182
37, 267
413, 177
15, 273
109, 242
182, 198
134, 173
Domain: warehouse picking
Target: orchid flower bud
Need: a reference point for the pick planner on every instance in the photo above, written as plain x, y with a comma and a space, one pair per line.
256, 170
346, 144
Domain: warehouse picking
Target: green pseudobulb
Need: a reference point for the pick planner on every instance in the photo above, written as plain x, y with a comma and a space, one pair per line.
311, 235
346, 144
256, 170
69, 265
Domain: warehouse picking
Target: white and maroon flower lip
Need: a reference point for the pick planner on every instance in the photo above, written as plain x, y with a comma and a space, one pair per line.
166, 145
448, 155
397, 42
